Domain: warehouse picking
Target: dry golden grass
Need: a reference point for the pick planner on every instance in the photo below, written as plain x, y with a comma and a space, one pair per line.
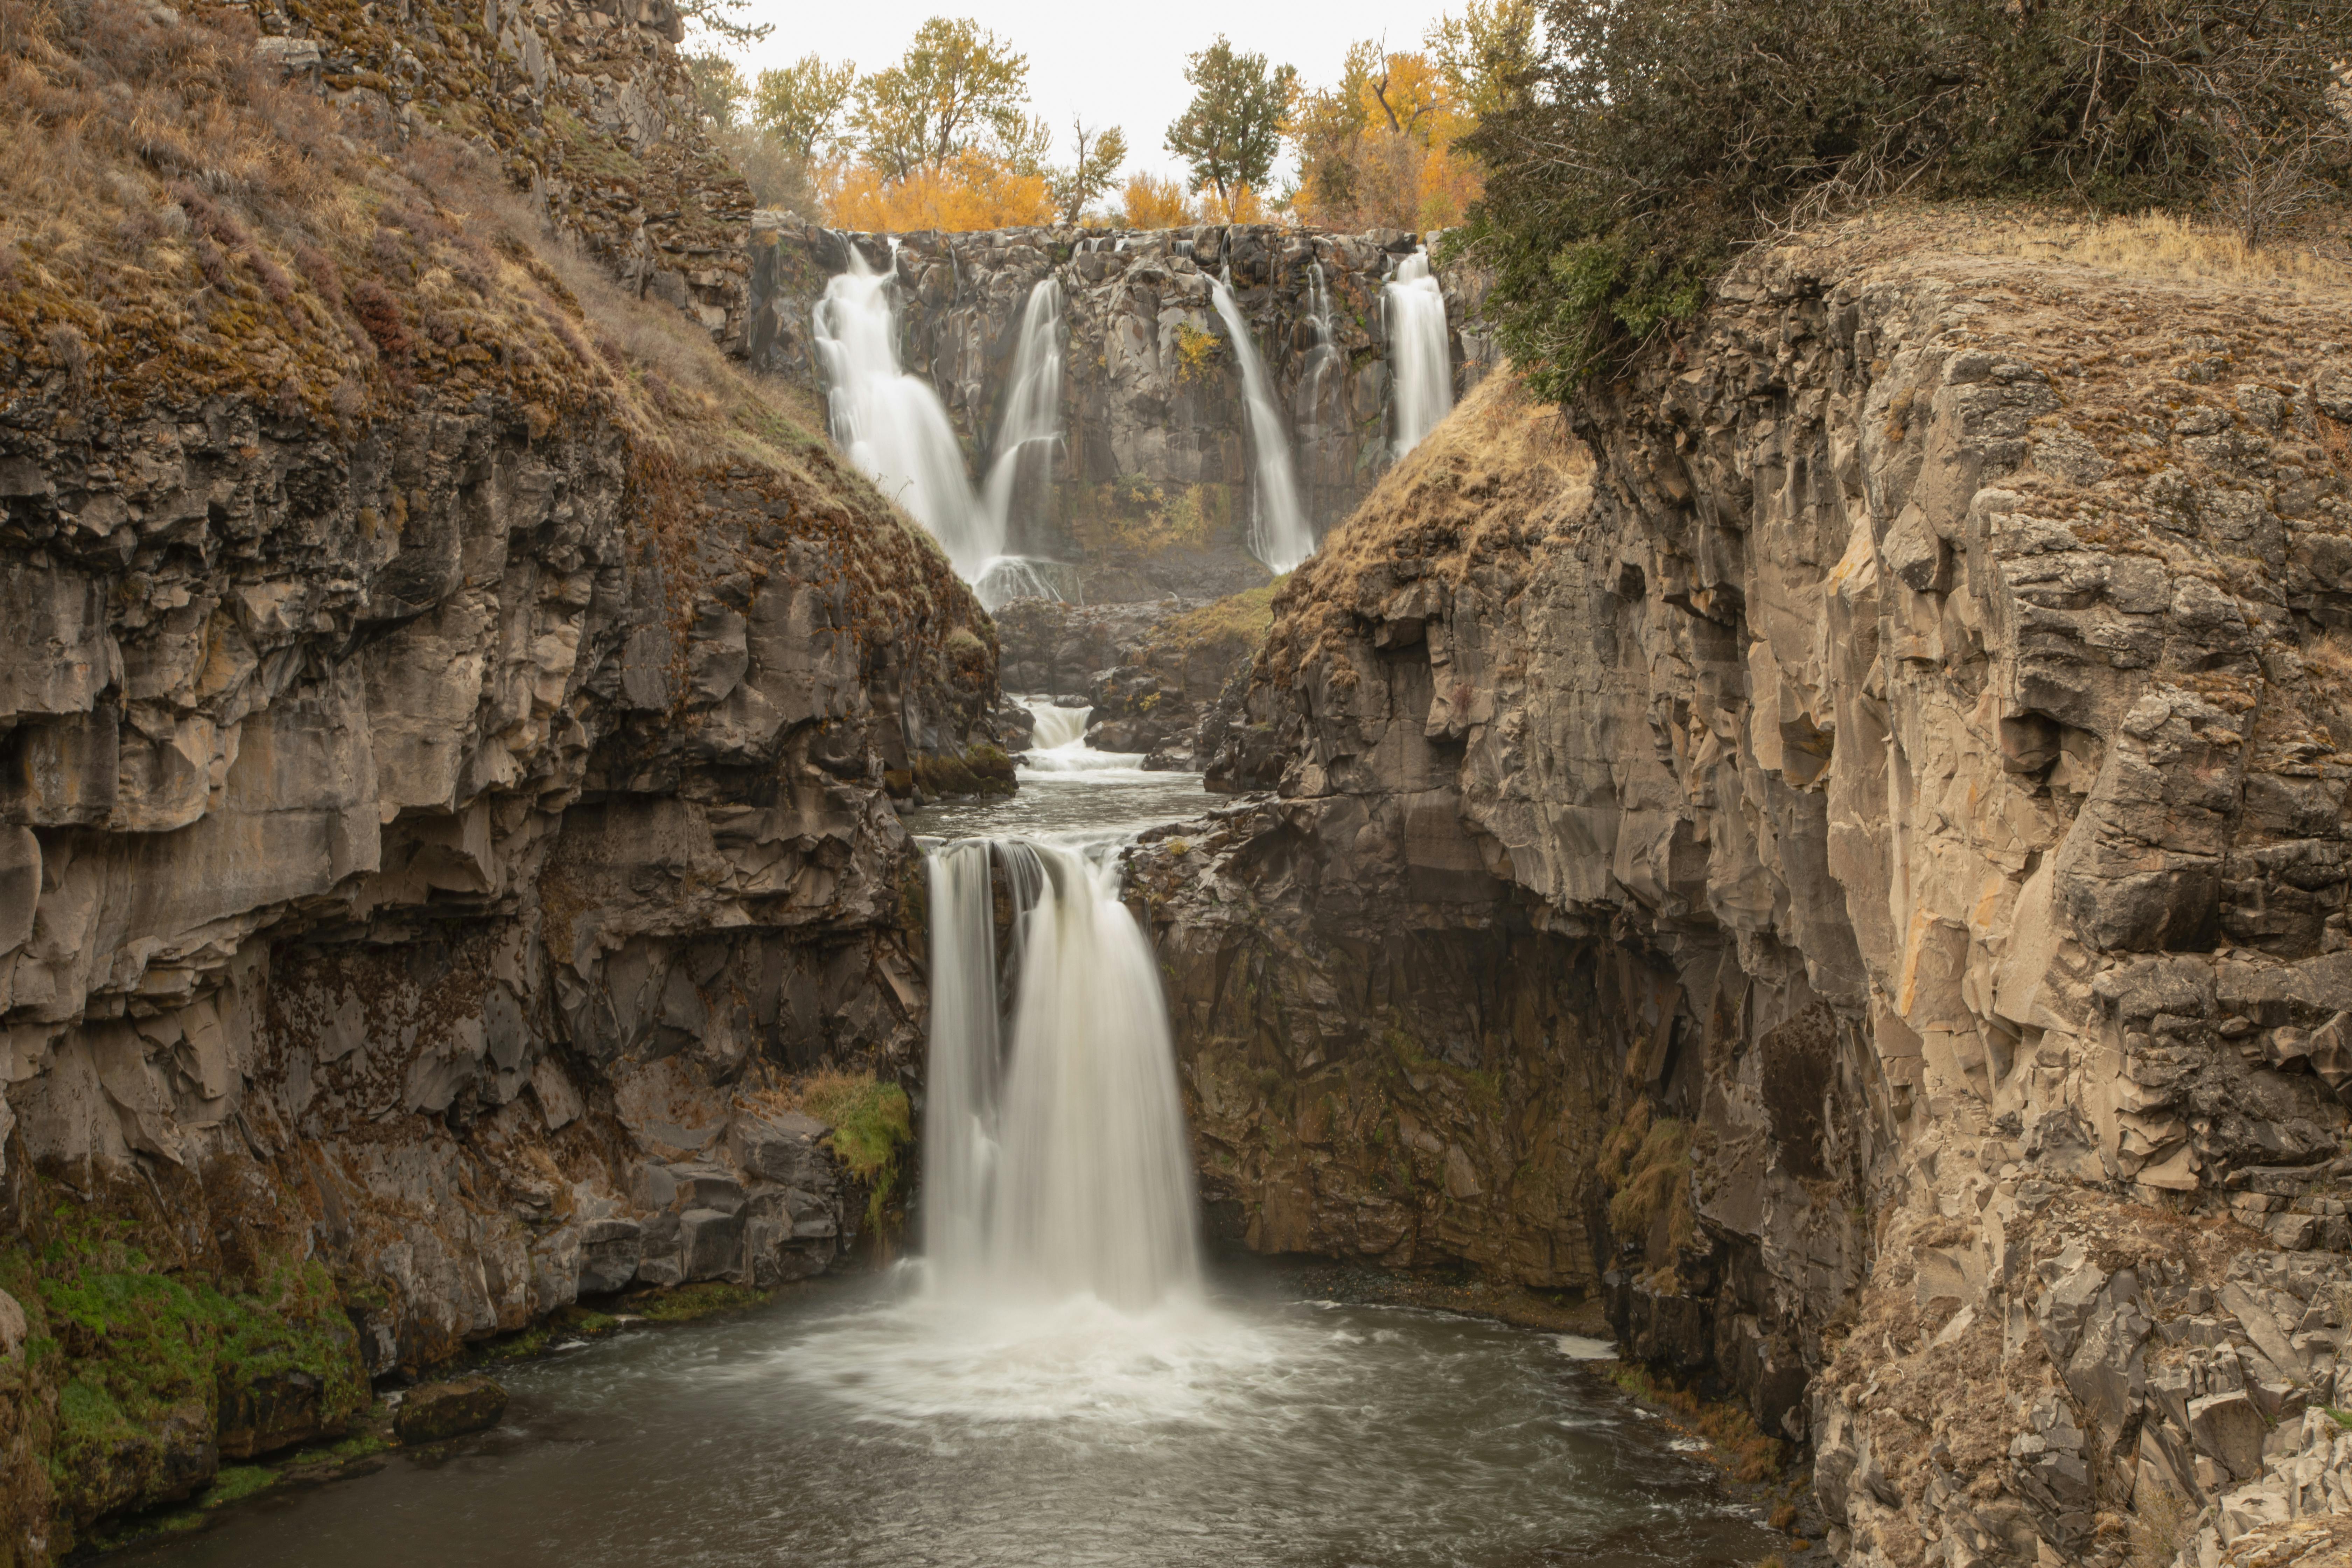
1494, 481
2314, 262
2159, 244
175, 222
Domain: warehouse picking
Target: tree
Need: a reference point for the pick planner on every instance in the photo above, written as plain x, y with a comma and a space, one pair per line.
1656, 138
1486, 54
1100, 152
1233, 129
1377, 149
956, 83
801, 105
717, 17
718, 90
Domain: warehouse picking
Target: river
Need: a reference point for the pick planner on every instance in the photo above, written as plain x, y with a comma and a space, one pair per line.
1069, 1383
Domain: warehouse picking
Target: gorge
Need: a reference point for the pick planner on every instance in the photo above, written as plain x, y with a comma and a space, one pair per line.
1818, 861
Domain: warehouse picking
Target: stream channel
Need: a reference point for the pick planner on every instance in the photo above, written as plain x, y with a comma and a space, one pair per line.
1062, 1380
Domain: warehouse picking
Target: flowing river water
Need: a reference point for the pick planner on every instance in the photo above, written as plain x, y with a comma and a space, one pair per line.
1060, 1379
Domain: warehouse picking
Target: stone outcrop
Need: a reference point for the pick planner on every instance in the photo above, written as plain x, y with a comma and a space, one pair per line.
445, 732
1152, 494
1905, 721
1151, 673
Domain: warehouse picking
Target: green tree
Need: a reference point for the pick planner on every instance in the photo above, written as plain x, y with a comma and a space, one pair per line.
1229, 135
718, 90
1487, 53
956, 84
1100, 154
801, 105
1652, 138
716, 19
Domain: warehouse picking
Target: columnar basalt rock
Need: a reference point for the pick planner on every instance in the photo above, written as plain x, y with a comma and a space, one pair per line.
444, 798
1925, 673
1157, 468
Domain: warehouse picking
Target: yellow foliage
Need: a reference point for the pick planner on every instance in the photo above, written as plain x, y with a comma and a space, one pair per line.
1154, 201
971, 190
1379, 147
1196, 352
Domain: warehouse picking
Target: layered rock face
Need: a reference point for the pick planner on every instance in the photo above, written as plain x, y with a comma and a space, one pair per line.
445, 730
1886, 757
1153, 492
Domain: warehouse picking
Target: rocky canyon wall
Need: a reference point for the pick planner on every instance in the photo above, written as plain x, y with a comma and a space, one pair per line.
1153, 489
1839, 846
447, 722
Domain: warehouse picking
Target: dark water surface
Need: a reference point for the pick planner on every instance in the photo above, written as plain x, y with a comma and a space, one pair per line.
857, 1423
860, 1422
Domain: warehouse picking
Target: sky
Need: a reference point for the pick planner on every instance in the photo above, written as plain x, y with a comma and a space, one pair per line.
1116, 62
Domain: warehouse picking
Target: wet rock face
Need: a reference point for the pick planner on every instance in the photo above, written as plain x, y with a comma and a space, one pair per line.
1156, 464
1930, 679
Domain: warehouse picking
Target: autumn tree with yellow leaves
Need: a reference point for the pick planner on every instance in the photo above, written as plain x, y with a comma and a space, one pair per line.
1377, 149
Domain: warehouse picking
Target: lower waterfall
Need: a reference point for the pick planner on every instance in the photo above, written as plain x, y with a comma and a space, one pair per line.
1054, 1138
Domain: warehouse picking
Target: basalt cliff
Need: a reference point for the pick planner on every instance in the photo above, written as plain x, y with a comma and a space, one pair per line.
1837, 842
447, 728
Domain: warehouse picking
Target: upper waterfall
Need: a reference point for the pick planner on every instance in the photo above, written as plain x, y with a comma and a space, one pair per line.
894, 427
1423, 365
1280, 535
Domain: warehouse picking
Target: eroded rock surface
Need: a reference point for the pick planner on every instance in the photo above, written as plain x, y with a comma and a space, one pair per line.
1905, 721
447, 723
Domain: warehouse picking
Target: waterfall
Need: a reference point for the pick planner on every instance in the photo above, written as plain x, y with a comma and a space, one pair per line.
1422, 365
1055, 1156
1279, 534
1058, 728
1324, 357
894, 427
1030, 426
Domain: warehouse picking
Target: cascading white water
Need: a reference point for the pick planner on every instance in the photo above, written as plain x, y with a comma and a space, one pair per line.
894, 427
1324, 357
1058, 728
1030, 426
1422, 364
1055, 1161
1279, 536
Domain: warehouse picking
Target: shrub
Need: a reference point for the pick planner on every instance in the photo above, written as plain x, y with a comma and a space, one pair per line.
1658, 136
872, 1121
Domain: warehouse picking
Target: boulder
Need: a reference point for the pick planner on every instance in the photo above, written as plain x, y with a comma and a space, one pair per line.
273, 1411
610, 1251
437, 1411
710, 1243
784, 1147
2229, 1429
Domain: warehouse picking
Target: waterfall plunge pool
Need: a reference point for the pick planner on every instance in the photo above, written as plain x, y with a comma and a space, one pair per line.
987, 1405
859, 1422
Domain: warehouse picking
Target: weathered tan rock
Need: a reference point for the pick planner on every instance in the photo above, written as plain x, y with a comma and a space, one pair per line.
1930, 682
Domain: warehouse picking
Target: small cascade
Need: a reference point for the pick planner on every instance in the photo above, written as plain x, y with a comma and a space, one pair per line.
1058, 728
894, 427
1054, 1139
1318, 379
1029, 429
1279, 534
1421, 363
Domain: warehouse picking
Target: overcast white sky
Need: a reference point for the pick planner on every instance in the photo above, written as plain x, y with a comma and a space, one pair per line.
1117, 62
